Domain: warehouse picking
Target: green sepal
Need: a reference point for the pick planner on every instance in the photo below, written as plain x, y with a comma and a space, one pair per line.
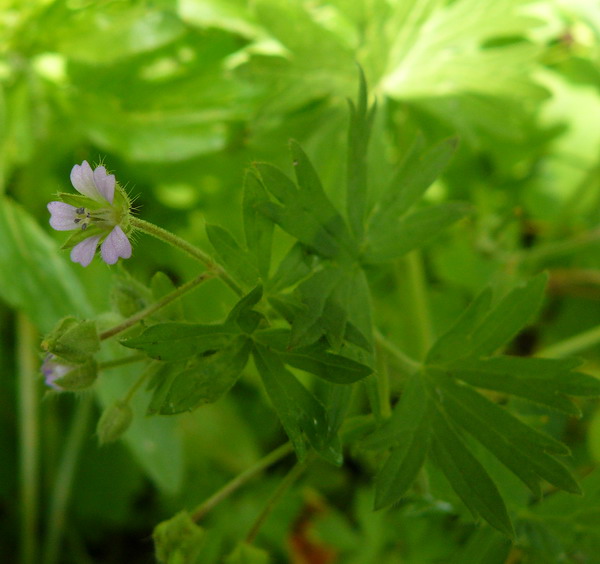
81, 201
81, 234
113, 422
81, 377
178, 540
73, 340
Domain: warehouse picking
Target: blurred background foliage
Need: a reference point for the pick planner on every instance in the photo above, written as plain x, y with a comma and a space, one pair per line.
178, 97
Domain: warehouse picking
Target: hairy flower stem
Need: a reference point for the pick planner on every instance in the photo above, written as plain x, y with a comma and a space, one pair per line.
285, 484
196, 253
240, 480
136, 317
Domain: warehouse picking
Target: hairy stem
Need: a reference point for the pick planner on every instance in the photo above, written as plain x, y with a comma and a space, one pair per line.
136, 317
191, 250
27, 342
285, 484
240, 480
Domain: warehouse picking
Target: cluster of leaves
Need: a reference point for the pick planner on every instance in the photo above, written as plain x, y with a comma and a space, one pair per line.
315, 317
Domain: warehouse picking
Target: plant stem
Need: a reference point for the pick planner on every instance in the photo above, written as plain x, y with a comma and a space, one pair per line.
240, 480
289, 479
557, 249
107, 365
64, 479
28, 438
136, 386
136, 317
420, 304
407, 364
573, 345
193, 251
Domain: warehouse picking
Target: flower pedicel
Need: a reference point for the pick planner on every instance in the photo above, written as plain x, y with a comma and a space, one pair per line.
99, 214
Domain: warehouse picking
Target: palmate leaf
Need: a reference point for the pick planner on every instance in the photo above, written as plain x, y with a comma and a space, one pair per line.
393, 230
359, 130
301, 414
202, 379
315, 359
457, 364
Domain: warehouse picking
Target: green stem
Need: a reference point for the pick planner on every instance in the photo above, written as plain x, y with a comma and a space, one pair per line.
28, 438
135, 318
122, 361
136, 386
560, 248
406, 364
285, 484
64, 479
193, 251
573, 345
417, 296
240, 480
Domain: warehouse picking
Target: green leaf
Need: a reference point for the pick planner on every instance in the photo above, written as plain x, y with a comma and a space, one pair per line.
519, 447
203, 380
175, 341
257, 228
467, 476
306, 212
408, 433
295, 266
509, 316
389, 241
541, 380
299, 411
485, 546
237, 260
456, 342
242, 313
47, 287
245, 553
314, 294
314, 359
412, 179
331, 367
359, 130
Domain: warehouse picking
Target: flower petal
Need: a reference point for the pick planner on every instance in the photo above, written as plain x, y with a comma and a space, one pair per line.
62, 216
116, 245
105, 183
53, 371
84, 252
82, 179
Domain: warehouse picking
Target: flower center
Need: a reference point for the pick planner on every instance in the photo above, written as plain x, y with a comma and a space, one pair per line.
82, 218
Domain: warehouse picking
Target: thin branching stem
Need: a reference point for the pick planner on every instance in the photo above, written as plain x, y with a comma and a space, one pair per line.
262, 464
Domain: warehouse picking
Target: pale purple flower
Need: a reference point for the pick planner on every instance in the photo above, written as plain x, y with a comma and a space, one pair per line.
98, 186
53, 370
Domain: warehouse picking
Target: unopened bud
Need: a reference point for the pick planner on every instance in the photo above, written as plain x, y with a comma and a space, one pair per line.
73, 340
65, 376
178, 539
114, 422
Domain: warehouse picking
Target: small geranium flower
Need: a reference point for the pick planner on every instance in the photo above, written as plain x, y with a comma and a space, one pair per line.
54, 370
100, 214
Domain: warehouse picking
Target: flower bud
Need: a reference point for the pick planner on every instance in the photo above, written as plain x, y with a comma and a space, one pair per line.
64, 376
178, 539
73, 340
114, 422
